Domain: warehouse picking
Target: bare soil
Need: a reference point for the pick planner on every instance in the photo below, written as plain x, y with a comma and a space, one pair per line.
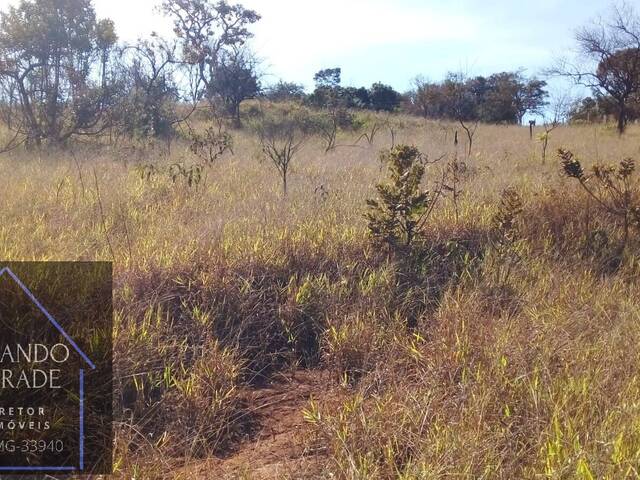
276, 449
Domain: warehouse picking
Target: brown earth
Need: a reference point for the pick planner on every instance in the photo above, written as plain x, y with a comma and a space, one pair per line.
276, 449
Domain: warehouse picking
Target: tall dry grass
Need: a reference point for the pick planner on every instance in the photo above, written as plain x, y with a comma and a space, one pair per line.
217, 286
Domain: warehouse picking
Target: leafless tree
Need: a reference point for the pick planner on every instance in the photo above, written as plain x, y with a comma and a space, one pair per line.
560, 107
282, 136
470, 128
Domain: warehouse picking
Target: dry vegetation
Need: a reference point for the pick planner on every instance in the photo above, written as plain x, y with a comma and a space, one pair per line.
522, 360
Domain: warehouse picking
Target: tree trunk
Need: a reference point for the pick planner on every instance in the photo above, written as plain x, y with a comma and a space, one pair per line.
236, 120
622, 117
53, 132
34, 133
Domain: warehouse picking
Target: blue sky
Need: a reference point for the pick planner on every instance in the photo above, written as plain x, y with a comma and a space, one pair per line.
391, 41
394, 41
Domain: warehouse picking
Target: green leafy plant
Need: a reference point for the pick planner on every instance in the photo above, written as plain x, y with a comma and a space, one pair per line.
402, 207
613, 187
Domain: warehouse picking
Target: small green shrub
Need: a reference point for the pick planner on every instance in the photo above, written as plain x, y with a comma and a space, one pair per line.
402, 208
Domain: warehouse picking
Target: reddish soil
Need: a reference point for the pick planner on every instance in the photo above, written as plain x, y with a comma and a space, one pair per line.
276, 449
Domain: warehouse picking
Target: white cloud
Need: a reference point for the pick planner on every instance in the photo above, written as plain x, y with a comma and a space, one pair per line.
295, 37
388, 40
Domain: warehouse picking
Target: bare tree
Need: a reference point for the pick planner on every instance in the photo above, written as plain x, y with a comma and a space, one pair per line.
560, 107
282, 135
608, 59
470, 128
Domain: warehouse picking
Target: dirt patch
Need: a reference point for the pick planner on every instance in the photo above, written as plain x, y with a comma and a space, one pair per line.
275, 449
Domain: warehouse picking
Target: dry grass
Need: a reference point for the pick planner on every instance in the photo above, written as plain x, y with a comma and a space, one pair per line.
217, 287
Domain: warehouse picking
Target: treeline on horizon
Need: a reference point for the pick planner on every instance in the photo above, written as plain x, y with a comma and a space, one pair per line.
64, 73
504, 97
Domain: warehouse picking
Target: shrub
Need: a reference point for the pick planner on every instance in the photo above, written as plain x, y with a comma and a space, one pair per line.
612, 187
210, 145
397, 215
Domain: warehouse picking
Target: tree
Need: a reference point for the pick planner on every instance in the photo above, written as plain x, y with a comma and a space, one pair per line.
282, 135
211, 35
149, 105
356, 97
501, 98
619, 75
383, 97
335, 100
585, 110
284, 91
609, 60
329, 77
598, 109
328, 92
507, 97
54, 57
418, 100
428, 99
496, 97
531, 97
464, 104
235, 80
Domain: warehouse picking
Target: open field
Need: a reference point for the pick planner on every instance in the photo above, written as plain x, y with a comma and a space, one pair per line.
262, 336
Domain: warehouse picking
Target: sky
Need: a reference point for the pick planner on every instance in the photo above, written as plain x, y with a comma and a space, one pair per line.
391, 41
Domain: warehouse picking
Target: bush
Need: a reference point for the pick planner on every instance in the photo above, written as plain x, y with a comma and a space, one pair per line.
396, 216
614, 189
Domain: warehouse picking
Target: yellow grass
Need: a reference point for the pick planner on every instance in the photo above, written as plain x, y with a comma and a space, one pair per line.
539, 380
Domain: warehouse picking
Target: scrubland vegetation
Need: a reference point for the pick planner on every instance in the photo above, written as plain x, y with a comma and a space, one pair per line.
500, 343
460, 297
